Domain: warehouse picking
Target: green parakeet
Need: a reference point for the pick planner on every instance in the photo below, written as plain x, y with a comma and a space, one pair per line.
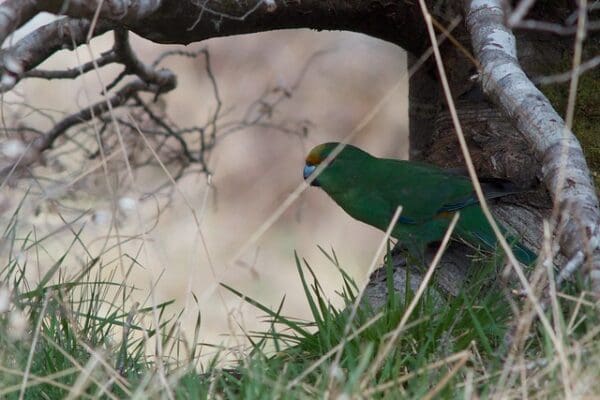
370, 189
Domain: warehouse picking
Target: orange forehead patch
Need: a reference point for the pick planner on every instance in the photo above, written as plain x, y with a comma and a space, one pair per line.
313, 159
316, 155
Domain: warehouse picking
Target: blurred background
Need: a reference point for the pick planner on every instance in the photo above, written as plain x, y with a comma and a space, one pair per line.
333, 80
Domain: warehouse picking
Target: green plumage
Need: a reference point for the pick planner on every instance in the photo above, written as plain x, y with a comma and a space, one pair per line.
370, 189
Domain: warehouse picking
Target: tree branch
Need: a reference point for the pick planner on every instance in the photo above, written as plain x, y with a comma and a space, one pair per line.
118, 99
36, 47
14, 13
107, 58
46, 141
564, 170
187, 21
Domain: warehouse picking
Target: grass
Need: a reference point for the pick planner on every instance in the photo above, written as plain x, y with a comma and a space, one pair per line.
80, 335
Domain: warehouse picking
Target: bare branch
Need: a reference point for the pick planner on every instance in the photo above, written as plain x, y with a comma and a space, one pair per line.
566, 76
36, 47
170, 132
72, 73
187, 21
117, 100
133, 65
519, 12
557, 29
47, 140
507, 85
123, 11
15, 13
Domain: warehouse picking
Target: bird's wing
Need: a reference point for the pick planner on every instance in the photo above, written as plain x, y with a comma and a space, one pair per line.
492, 189
423, 190
371, 207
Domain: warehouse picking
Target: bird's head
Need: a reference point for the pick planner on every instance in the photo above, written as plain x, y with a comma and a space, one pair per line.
340, 163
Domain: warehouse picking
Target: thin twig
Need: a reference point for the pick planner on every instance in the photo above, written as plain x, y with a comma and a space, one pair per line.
568, 75
72, 73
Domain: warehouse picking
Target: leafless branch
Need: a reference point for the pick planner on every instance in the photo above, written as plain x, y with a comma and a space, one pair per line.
36, 47
134, 65
516, 20
117, 100
556, 29
48, 139
519, 12
181, 21
149, 80
72, 73
15, 13
566, 76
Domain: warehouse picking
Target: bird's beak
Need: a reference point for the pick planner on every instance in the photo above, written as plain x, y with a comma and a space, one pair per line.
308, 170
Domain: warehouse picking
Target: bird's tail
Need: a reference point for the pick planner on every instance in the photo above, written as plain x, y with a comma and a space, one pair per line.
521, 252
474, 225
